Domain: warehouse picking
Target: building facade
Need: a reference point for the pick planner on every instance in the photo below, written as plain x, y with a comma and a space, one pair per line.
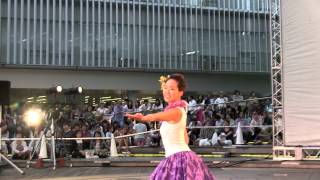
138, 39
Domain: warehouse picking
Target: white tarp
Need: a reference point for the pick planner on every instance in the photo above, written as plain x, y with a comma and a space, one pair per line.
301, 71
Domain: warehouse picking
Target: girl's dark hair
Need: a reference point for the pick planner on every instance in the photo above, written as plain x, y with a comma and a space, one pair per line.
180, 79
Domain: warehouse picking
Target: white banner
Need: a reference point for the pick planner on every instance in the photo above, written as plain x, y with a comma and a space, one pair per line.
301, 72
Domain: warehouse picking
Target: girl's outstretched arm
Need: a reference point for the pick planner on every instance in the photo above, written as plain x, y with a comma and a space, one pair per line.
172, 115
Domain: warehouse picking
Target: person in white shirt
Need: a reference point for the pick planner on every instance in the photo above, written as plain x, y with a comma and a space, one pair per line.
157, 106
20, 149
256, 120
221, 100
192, 104
101, 110
145, 106
211, 99
128, 106
238, 98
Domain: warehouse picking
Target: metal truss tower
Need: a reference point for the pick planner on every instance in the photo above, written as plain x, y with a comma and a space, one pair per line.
276, 77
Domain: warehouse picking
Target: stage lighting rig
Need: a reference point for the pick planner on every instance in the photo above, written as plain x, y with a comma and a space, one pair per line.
74, 91
55, 90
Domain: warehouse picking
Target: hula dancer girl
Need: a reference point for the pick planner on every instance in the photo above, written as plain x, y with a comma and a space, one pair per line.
180, 162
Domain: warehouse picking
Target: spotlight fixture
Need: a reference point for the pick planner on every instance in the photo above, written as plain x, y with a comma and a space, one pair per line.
59, 89
80, 89
55, 90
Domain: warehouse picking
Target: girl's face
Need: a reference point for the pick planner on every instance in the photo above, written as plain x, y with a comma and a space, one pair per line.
171, 92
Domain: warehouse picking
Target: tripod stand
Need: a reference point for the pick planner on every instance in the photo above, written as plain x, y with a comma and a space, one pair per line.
1, 155
53, 148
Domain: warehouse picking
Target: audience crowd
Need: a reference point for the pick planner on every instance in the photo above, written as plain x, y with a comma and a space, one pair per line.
108, 119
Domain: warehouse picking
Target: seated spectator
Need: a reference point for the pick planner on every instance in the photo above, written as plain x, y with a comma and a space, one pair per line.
20, 149
140, 138
89, 116
79, 146
108, 133
206, 133
265, 135
206, 100
67, 144
223, 141
253, 103
118, 114
231, 121
106, 126
219, 122
256, 120
101, 110
128, 106
238, 97
155, 138
192, 104
200, 100
221, 100
122, 142
211, 99
136, 105
200, 115
157, 106
98, 145
84, 130
193, 132
226, 136
96, 128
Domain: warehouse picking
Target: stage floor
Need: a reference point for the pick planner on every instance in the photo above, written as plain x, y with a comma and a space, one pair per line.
137, 173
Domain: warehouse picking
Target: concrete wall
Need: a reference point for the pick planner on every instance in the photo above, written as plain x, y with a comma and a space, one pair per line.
146, 81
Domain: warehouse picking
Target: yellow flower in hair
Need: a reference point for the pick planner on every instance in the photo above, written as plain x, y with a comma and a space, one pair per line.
163, 80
